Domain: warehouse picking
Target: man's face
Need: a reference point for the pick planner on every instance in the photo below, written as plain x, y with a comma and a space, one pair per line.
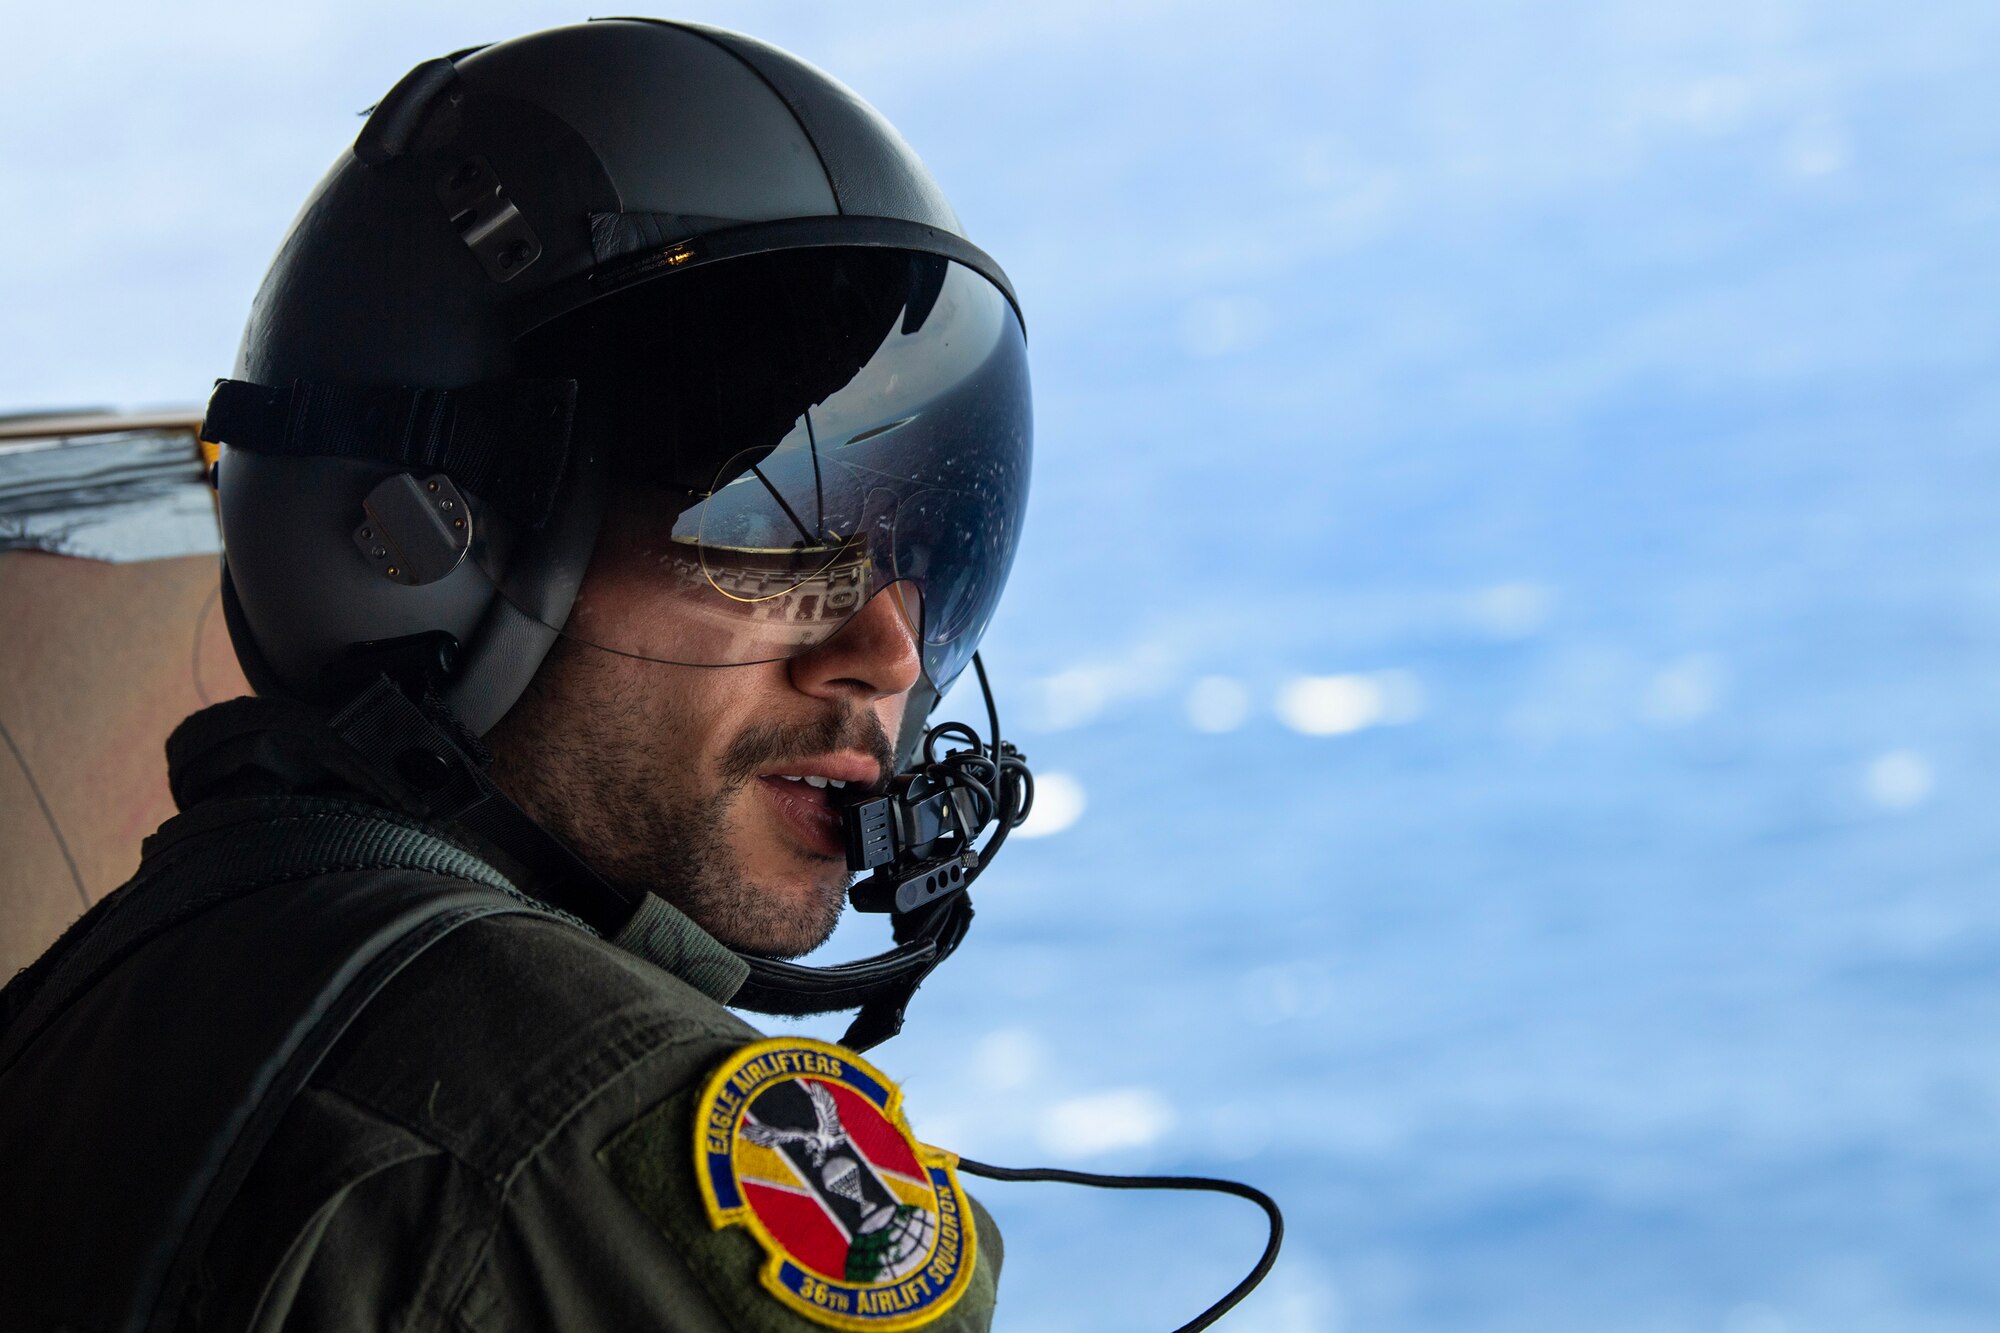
680, 779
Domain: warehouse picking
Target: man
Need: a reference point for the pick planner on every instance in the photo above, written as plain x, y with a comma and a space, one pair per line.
629, 399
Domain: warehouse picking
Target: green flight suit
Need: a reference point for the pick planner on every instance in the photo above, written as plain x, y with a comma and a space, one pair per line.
502, 1138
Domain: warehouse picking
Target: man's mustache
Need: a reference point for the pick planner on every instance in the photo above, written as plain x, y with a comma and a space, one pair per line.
767, 745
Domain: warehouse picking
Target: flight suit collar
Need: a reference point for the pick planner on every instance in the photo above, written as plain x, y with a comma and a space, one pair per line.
247, 760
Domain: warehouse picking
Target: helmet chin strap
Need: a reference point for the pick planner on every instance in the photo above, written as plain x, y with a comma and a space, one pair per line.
396, 720
880, 986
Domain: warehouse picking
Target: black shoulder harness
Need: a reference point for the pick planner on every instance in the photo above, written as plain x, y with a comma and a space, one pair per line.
134, 1098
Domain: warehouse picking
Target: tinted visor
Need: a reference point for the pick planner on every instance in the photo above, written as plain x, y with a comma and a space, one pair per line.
787, 436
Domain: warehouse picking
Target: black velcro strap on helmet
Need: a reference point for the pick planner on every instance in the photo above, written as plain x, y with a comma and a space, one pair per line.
507, 441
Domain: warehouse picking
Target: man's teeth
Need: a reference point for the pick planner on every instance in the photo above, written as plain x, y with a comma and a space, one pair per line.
813, 781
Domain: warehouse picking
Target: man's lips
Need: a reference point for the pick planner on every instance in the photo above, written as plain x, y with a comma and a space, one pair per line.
802, 791
844, 767
807, 813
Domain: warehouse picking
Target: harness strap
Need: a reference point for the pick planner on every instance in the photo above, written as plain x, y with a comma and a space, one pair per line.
141, 1144
236, 1145
312, 836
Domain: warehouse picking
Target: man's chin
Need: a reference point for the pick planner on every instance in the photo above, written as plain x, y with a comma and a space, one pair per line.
771, 921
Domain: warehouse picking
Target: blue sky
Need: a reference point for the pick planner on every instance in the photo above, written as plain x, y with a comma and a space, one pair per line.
1510, 595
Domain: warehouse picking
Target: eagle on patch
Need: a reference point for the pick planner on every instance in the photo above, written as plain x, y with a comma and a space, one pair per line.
887, 1238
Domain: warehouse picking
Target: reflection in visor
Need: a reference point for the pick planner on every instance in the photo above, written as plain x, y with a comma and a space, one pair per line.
770, 516
834, 592
901, 456
674, 598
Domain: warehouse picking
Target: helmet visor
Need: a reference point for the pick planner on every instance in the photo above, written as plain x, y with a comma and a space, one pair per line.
786, 437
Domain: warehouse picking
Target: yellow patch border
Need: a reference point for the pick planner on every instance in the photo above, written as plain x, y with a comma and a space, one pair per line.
718, 1120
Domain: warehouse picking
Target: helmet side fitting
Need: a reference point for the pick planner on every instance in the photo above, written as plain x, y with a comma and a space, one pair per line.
488, 195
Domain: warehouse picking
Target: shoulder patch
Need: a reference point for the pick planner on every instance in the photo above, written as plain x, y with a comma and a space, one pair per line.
803, 1144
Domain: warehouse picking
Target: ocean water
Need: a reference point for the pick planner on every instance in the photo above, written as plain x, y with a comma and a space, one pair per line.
1509, 627
1556, 462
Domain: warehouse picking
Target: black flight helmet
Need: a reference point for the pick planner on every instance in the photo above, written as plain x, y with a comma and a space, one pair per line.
647, 293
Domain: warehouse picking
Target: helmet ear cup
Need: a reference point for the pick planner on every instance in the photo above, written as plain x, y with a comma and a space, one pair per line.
505, 653
249, 657
537, 586
298, 592
304, 591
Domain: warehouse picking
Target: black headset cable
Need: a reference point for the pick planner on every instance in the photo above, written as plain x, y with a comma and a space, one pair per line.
1209, 1183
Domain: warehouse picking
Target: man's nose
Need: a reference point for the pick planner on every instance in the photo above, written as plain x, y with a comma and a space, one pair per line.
873, 656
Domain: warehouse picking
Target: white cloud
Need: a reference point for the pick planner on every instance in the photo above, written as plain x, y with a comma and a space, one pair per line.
1713, 103
1899, 780
1816, 149
1105, 1122
1300, 1298
1683, 691
1007, 1059
1076, 695
1513, 610
1071, 697
1059, 803
1339, 705
1217, 704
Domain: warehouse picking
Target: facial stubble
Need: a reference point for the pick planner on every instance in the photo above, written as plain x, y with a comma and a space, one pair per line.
603, 752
